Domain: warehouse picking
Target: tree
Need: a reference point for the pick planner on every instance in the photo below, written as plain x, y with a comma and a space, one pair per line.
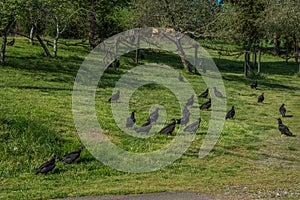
61, 13
239, 25
100, 18
35, 14
8, 16
281, 19
185, 16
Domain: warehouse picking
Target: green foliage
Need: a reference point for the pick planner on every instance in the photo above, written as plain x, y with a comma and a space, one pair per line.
238, 22
280, 17
182, 15
8, 14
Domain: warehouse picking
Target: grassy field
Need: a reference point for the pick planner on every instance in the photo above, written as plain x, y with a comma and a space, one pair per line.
250, 160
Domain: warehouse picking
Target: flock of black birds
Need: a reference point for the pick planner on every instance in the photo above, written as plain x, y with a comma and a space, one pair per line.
50, 164
282, 110
169, 128
184, 120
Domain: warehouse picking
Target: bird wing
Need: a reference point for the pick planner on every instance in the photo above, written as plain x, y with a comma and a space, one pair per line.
70, 157
45, 165
167, 129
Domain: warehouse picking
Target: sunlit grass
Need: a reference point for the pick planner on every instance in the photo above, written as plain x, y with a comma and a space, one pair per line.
250, 159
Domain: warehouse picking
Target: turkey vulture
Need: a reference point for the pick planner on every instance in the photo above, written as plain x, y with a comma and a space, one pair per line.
283, 128
71, 157
282, 110
254, 85
153, 116
46, 166
130, 120
218, 93
204, 94
180, 78
145, 128
190, 101
193, 127
169, 128
185, 111
117, 64
184, 119
206, 105
11, 43
230, 113
115, 97
261, 98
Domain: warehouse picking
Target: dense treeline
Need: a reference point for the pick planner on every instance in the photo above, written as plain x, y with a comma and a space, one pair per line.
248, 23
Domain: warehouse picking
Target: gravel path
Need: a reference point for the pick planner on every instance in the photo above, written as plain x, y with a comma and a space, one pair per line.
150, 196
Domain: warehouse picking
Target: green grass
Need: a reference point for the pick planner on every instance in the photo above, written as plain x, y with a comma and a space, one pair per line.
250, 159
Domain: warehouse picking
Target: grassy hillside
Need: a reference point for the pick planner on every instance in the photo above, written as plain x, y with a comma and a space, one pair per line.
250, 160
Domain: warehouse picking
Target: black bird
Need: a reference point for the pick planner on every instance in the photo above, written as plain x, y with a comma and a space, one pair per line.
218, 93
282, 110
117, 64
180, 78
185, 111
203, 69
184, 119
193, 127
206, 105
204, 94
153, 116
46, 166
230, 113
11, 43
130, 120
261, 98
254, 85
71, 157
115, 97
190, 101
145, 128
169, 128
283, 128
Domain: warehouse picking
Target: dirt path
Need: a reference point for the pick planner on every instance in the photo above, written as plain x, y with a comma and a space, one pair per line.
150, 196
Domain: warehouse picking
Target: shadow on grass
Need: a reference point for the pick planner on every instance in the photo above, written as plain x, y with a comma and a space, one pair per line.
41, 88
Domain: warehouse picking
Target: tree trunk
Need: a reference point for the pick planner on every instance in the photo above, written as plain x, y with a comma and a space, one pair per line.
55, 42
183, 60
246, 63
92, 26
137, 51
196, 59
295, 45
276, 44
91, 34
182, 55
254, 57
3, 47
43, 46
259, 61
31, 35
287, 50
